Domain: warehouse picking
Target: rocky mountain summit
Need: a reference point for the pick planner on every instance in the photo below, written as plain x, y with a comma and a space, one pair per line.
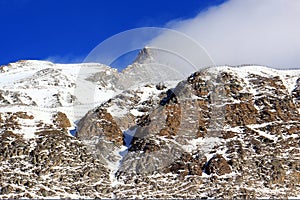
222, 132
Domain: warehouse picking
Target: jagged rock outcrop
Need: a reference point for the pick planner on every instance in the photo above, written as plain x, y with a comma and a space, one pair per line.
217, 165
100, 123
61, 120
15, 98
54, 164
245, 134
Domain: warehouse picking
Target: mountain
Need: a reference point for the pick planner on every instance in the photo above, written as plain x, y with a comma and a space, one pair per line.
220, 132
224, 132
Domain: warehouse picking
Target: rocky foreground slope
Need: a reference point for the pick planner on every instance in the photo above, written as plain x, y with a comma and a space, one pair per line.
223, 132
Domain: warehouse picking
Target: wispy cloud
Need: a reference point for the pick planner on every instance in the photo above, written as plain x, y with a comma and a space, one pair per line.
65, 59
237, 32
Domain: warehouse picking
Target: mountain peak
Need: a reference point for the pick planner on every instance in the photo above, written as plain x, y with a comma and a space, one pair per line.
145, 55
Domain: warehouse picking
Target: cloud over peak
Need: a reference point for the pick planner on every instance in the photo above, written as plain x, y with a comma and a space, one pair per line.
237, 32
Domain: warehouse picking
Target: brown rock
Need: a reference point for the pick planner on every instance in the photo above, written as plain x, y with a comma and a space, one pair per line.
173, 113
187, 165
23, 115
228, 134
218, 165
241, 114
61, 120
100, 123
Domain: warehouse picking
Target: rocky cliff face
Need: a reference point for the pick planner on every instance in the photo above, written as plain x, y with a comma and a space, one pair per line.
223, 132
54, 164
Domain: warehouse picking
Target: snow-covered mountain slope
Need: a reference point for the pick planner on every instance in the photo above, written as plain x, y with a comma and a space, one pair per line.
42, 89
56, 79
221, 132
39, 104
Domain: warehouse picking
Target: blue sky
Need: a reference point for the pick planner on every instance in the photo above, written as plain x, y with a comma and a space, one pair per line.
67, 30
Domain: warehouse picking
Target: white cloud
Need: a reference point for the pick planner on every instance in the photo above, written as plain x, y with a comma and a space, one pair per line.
265, 32
65, 59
